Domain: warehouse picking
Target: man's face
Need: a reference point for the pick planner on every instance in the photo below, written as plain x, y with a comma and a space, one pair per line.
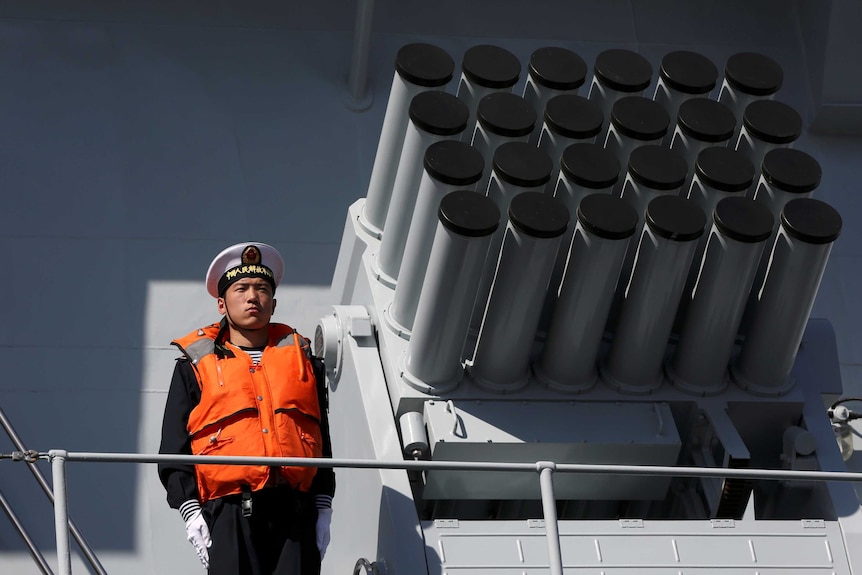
249, 303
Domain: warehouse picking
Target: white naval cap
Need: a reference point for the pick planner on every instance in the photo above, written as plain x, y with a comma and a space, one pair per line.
248, 259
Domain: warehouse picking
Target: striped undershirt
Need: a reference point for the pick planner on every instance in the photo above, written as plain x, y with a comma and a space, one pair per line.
255, 353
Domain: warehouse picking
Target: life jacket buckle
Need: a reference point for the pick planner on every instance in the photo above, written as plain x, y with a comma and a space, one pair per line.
246, 502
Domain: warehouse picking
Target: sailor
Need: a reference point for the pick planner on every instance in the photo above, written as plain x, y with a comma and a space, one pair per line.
248, 386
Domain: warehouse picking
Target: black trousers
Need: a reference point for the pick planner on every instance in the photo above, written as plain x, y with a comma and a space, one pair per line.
279, 537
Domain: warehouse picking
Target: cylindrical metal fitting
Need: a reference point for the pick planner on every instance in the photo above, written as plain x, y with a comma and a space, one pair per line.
650, 300
518, 167
568, 119
418, 68
552, 71
787, 174
449, 165
652, 171
501, 117
536, 222
701, 124
618, 73
726, 273
683, 75
635, 121
466, 222
784, 301
748, 77
434, 116
718, 173
485, 69
604, 225
585, 169
766, 125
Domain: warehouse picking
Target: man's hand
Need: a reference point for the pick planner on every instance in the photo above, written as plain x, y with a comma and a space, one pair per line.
324, 519
199, 536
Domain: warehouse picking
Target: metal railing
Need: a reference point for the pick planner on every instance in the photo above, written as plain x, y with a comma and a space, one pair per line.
30, 457
545, 469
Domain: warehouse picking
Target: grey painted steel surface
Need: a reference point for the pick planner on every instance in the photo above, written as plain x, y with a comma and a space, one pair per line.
554, 143
405, 190
94, 79
388, 154
683, 75
726, 273
553, 71
433, 359
780, 312
497, 430
418, 245
748, 77
756, 145
403, 201
514, 304
650, 300
395, 122
618, 64
502, 192
18, 443
472, 89
622, 140
568, 360
61, 512
486, 139
688, 143
357, 79
38, 558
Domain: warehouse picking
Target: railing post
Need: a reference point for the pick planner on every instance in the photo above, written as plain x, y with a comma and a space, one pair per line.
549, 506
61, 513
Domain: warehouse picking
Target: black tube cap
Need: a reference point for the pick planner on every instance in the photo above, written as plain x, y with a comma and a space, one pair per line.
657, 167
640, 118
454, 163
538, 215
675, 218
468, 213
522, 164
557, 68
724, 169
491, 66
506, 114
424, 65
791, 170
573, 116
743, 219
688, 72
753, 73
706, 120
607, 216
439, 113
772, 121
590, 166
623, 70
811, 221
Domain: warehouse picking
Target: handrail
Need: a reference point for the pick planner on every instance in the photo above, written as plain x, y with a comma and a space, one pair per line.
34, 551
43, 483
545, 469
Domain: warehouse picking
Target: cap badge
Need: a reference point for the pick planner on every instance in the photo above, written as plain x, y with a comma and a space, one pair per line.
251, 256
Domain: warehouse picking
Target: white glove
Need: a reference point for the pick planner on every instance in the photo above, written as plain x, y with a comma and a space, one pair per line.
324, 519
199, 536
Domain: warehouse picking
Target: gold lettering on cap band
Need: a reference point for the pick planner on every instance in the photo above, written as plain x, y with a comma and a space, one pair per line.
262, 270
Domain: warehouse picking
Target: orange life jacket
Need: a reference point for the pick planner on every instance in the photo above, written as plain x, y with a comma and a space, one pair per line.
270, 409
